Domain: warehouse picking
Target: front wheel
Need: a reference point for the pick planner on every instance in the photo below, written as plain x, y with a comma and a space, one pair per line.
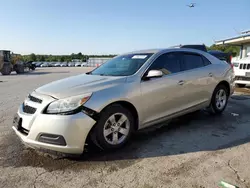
113, 128
19, 68
219, 100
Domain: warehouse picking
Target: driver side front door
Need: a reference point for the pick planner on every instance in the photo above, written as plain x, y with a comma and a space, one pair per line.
164, 95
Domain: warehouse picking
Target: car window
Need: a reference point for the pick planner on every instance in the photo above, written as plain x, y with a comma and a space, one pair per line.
192, 61
168, 63
123, 65
206, 61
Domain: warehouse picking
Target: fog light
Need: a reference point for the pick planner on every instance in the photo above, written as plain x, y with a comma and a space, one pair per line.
52, 139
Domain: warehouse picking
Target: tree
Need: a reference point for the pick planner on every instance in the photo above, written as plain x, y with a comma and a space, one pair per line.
42, 59
234, 50
32, 57
62, 59
79, 56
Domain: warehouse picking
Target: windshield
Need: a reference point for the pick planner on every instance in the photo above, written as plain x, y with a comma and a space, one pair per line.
123, 65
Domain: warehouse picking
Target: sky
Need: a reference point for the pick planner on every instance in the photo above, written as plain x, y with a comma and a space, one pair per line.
116, 26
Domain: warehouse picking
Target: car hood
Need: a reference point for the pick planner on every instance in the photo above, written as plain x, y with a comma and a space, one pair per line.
79, 84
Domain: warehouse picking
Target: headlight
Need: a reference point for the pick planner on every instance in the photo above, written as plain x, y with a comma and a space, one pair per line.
67, 104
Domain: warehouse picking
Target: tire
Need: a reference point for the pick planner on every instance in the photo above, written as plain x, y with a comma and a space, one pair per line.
19, 68
114, 139
219, 100
6, 69
240, 85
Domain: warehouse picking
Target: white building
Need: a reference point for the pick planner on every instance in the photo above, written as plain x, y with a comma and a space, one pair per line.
242, 63
242, 40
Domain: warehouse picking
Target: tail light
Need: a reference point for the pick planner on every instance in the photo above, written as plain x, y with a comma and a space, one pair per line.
231, 57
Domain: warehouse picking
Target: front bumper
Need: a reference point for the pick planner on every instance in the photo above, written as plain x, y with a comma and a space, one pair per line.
242, 82
73, 129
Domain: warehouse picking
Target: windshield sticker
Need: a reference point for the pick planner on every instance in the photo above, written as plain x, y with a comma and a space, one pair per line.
139, 56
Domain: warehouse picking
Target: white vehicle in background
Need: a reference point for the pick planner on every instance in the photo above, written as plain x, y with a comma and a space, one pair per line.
44, 65
71, 64
84, 64
242, 71
64, 64
57, 64
78, 64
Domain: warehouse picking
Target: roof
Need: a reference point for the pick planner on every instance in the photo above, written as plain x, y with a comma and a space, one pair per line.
4, 50
237, 40
147, 51
165, 50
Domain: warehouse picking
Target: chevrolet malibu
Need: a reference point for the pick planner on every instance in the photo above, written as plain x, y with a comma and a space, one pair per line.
129, 92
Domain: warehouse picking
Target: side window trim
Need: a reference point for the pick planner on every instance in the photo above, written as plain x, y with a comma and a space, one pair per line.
203, 59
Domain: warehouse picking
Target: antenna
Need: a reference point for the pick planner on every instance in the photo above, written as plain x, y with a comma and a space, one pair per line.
237, 31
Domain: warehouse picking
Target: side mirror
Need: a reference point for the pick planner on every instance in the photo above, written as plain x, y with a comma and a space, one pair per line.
154, 74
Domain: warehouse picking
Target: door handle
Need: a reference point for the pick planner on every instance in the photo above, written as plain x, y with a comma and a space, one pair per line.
210, 74
181, 82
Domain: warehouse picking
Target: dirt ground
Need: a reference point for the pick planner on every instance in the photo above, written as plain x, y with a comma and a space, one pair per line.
196, 150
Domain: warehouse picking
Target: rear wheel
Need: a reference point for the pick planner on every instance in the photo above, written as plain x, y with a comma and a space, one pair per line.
219, 100
6, 70
114, 128
240, 85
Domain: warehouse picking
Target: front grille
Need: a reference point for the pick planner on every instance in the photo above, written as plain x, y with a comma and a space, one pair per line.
28, 109
245, 66
34, 99
242, 78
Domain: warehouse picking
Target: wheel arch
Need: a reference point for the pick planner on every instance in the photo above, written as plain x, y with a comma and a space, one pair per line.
130, 107
226, 84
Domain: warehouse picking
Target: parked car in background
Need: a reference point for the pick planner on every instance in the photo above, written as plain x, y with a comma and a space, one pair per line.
219, 54
58, 64
38, 64
44, 65
129, 92
78, 64
71, 64
84, 64
64, 64
242, 71
51, 64
227, 57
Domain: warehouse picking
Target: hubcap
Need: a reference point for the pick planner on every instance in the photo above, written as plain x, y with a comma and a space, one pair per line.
221, 99
116, 128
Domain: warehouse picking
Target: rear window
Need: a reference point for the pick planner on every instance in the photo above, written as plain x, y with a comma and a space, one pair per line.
192, 61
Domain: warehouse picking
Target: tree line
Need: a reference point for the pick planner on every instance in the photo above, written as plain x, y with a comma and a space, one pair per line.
59, 58
233, 50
